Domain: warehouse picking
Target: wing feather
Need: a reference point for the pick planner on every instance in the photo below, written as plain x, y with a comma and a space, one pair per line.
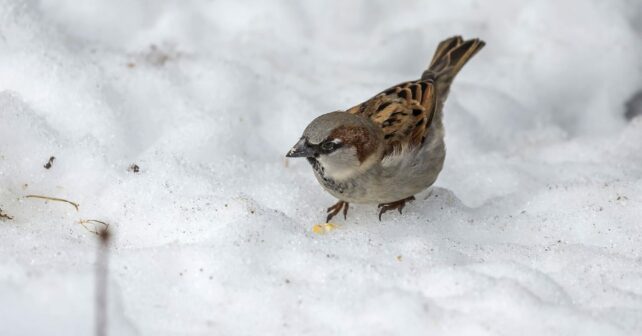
404, 113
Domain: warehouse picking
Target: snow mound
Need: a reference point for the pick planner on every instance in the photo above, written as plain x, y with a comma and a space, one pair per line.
532, 228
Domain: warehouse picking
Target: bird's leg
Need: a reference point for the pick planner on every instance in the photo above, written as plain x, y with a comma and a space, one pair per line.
399, 205
335, 209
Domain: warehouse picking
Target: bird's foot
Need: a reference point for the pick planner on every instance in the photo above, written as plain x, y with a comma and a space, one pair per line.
399, 205
335, 209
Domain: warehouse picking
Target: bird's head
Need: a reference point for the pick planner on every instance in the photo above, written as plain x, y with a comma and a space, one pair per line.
342, 143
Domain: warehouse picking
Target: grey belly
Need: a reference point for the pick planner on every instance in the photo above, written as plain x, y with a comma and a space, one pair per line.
389, 184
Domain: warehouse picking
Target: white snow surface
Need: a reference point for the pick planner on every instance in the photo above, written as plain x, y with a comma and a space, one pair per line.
533, 228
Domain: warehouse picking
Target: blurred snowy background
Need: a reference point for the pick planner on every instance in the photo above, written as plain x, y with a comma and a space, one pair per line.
533, 228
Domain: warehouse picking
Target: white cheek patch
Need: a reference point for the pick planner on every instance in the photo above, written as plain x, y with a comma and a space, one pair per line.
340, 164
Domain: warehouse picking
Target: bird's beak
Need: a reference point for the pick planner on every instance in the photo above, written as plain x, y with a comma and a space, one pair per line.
301, 149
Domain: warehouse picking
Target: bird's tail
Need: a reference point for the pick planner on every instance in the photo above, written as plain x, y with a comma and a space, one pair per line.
451, 55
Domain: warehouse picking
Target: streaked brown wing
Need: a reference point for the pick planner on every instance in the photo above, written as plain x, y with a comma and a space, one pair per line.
404, 112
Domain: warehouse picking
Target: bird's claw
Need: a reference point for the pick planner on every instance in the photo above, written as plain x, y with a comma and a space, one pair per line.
399, 205
335, 209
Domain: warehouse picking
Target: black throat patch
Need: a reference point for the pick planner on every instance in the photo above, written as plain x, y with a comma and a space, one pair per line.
327, 181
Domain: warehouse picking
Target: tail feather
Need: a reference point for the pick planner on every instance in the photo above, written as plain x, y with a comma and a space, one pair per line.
443, 48
451, 55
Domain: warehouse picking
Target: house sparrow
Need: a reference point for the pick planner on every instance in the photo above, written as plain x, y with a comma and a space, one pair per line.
390, 147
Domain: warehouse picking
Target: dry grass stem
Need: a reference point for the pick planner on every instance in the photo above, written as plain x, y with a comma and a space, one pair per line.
75, 205
4, 216
99, 232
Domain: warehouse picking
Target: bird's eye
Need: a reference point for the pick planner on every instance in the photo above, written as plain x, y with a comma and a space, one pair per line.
328, 146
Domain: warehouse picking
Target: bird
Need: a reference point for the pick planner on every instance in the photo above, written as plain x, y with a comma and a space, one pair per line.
390, 147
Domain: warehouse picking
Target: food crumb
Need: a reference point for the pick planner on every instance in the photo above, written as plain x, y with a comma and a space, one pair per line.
323, 228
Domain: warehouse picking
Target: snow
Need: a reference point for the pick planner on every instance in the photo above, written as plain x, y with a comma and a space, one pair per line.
533, 228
